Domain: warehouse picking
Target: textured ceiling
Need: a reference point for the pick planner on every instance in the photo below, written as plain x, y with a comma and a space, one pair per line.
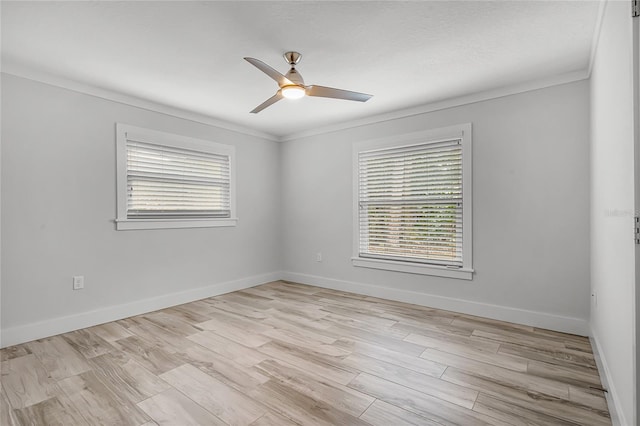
189, 54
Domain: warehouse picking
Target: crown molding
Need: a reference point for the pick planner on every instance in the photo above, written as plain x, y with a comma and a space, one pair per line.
447, 103
114, 96
52, 80
596, 35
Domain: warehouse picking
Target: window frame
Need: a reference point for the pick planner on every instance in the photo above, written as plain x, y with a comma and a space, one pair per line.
175, 141
459, 131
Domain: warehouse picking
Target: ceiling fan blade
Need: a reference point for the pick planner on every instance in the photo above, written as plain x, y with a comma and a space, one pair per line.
330, 92
272, 100
281, 79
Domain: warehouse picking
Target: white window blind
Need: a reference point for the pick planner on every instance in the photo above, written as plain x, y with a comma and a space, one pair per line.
174, 183
411, 204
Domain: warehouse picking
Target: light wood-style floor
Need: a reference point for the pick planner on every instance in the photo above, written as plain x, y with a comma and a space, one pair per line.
283, 354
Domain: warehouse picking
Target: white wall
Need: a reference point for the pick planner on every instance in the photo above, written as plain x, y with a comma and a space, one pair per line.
59, 203
612, 206
530, 212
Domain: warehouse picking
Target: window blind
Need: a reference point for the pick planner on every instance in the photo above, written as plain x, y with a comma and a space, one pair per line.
173, 183
410, 203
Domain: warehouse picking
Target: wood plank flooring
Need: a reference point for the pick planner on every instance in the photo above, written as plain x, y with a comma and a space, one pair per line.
286, 354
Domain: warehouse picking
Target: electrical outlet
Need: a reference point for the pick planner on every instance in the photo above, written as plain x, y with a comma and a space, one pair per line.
78, 282
318, 257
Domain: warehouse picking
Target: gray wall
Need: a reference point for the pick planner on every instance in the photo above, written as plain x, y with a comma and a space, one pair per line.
59, 203
530, 211
531, 222
612, 206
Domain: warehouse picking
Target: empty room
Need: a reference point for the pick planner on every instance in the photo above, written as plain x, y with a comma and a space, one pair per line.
281, 213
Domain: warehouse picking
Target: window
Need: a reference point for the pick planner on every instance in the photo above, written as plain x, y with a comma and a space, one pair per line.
412, 203
171, 181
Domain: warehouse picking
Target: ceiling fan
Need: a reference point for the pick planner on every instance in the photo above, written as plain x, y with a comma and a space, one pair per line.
292, 85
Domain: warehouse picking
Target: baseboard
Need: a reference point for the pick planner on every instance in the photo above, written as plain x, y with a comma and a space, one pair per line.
28, 332
615, 411
38, 330
544, 320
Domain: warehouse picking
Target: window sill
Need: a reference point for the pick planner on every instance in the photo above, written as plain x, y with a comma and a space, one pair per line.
413, 268
129, 224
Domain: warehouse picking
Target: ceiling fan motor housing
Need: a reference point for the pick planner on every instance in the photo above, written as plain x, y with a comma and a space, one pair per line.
294, 76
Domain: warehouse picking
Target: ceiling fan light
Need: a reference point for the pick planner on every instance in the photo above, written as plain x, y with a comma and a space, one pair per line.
293, 92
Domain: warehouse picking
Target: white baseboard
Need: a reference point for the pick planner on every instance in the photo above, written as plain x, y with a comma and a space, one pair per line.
613, 401
38, 330
544, 320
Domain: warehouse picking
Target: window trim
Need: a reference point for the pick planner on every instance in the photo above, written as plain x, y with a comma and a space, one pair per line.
175, 141
459, 131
